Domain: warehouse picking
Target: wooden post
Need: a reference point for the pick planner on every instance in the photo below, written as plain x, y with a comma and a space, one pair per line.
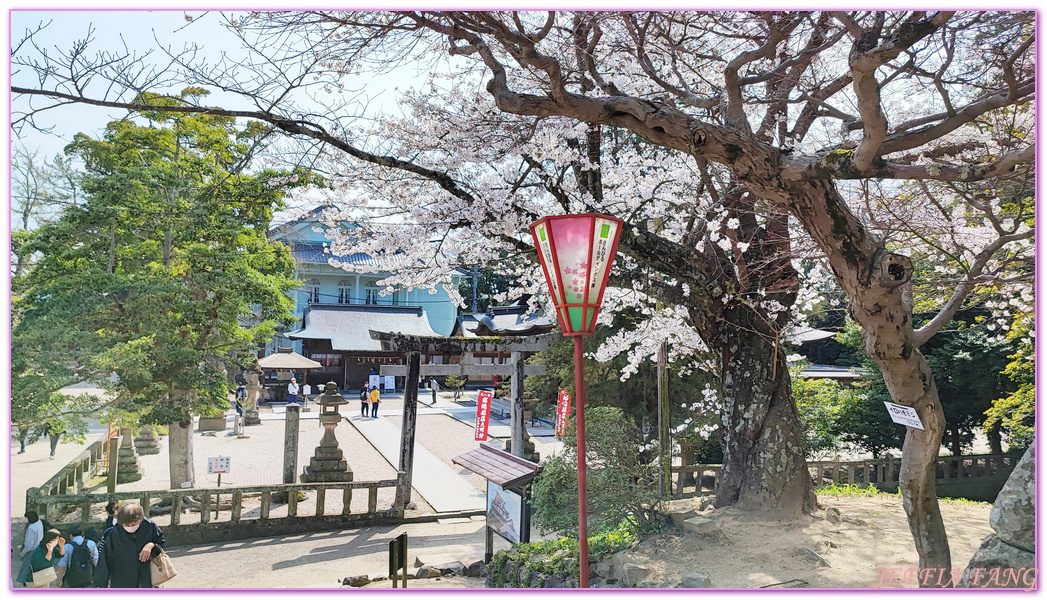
665, 458
408, 424
114, 450
488, 544
516, 415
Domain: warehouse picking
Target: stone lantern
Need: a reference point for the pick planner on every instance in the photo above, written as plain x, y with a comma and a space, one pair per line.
328, 463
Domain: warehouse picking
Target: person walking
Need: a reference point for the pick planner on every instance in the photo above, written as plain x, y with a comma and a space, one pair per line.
292, 391
110, 521
45, 556
76, 569
34, 534
54, 432
23, 433
125, 551
376, 399
365, 401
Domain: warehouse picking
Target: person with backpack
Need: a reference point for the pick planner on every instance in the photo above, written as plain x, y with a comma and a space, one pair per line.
77, 567
365, 404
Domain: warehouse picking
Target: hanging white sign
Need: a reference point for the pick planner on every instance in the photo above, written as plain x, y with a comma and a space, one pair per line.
903, 415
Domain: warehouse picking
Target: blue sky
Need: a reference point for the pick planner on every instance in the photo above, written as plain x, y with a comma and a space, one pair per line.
112, 31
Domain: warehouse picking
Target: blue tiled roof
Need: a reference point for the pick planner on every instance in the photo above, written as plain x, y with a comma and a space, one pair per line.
318, 254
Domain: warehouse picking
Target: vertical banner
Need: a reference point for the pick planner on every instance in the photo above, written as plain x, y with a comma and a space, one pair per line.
483, 414
389, 383
563, 410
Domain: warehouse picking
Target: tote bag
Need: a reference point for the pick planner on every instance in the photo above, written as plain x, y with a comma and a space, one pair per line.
43, 577
161, 568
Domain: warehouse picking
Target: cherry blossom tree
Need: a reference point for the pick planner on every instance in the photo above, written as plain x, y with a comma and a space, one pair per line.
762, 118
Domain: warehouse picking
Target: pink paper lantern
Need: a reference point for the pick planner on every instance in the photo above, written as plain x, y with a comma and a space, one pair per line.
576, 252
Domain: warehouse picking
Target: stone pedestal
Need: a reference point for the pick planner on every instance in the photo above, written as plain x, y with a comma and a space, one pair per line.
147, 442
127, 469
328, 463
251, 403
529, 449
211, 424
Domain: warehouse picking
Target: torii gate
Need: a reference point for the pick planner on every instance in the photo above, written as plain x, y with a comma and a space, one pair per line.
412, 346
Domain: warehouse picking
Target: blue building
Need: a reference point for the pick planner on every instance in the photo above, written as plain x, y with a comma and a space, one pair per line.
340, 299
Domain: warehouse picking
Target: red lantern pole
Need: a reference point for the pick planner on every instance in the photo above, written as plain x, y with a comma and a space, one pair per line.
583, 506
576, 252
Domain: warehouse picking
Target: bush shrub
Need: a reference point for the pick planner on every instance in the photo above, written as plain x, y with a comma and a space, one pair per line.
621, 486
555, 561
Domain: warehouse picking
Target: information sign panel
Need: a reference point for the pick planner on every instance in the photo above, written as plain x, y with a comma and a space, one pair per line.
903, 415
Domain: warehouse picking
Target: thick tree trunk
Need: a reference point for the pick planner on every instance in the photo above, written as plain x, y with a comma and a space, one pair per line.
910, 382
764, 468
995, 440
876, 282
180, 455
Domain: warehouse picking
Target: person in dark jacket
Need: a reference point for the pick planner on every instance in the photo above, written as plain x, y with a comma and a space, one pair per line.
125, 551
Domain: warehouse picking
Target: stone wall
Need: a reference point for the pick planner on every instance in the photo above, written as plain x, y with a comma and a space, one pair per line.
1007, 558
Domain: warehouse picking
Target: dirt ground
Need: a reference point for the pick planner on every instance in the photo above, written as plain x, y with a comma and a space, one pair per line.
871, 537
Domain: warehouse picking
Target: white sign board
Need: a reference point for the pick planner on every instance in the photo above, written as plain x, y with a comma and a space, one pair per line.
217, 465
504, 511
373, 380
389, 383
904, 415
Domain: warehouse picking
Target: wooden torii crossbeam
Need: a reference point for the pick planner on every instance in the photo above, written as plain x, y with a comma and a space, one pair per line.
413, 346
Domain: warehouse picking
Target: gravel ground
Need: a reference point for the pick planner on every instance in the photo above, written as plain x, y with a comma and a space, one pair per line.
446, 438
258, 459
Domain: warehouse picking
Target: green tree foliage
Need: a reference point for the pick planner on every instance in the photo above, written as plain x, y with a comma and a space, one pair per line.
490, 282
1015, 413
621, 486
161, 276
692, 418
969, 371
456, 384
836, 417
820, 404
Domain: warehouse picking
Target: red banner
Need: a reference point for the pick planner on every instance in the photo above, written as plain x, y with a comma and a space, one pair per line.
563, 411
483, 414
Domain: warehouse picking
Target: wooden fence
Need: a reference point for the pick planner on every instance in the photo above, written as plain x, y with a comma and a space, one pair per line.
882, 473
